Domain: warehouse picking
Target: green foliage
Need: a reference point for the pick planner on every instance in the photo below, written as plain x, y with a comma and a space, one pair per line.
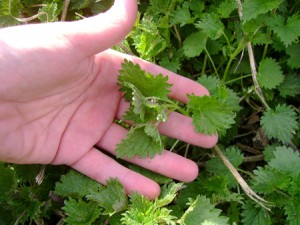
113, 198
194, 44
253, 214
211, 25
270, 74
210, 116
253, 8
205, 41
80, 212
143, 211
75, 185
201, 211
280, 123
288, 31
216, 167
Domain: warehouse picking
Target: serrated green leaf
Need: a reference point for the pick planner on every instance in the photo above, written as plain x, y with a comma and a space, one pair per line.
80, 212
181, 16
280, 123
288, 31
226, 8
158, 6
171, 62
211, 83
290, 86
168, 194
269, 74
294, 52
211, 25
253, 8
292, 211
113, 198
147, 84
209, 114
254, 214
49, 12
267, 180
143, 211
75, 185
201, 211
287, 161
152, 131
194, 44
138, 143
148, 39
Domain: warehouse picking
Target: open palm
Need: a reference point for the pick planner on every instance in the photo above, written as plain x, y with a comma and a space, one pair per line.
59, 98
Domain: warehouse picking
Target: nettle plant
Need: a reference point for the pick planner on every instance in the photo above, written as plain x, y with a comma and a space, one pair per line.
247, 54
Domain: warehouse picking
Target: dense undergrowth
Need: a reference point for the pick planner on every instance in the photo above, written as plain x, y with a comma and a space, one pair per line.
247, 54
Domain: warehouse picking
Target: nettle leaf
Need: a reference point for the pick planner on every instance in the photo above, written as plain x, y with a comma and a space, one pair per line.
202, 212
80, 212
159, 6
147, 38
267, 180
75, 185
226, 8
211, 83
280, 123
143, 211
290, 86
254, 214
49, 12
253, 8
287, 161
211, 25
294, 52
292, 212
139, 143
269, 74
113, 198
194, 44
288, 31
210, 115
168, 194
147, 84
181, 16
223, 93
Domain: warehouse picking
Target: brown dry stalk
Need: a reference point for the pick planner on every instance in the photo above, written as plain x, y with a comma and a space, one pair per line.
65, 10
257, 88
251, 194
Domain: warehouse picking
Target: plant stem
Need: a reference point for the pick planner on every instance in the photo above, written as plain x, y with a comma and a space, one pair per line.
251, 194
257, 88
212, 63
232, 57
239, 78
177, 35
204, 65
65, 10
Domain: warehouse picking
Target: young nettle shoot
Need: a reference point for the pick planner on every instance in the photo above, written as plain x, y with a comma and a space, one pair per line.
150, 105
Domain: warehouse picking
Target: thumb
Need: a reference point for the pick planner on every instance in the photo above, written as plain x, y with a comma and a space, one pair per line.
98, 33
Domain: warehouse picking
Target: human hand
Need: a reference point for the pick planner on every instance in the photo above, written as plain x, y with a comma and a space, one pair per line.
59, 98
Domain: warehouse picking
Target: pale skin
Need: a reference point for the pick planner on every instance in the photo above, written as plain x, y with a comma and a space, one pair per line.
59, 98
